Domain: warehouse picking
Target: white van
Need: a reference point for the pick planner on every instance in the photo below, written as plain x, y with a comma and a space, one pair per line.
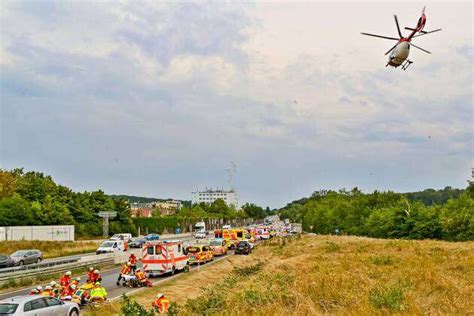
110, 246
125, 237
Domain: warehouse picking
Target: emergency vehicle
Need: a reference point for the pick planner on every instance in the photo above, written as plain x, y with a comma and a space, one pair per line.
199, 254
228, 235
262, 233
160, 257
218, 247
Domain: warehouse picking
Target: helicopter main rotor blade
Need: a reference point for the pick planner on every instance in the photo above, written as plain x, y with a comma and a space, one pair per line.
425, 33
391, 49
398, 26
381, 36
428, 52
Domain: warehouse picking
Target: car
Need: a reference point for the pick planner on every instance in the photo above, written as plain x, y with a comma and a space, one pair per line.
218, 247
200, 235
151, 237
243, 247
37, 305
137, 242
23, 257
199, 254
6, 261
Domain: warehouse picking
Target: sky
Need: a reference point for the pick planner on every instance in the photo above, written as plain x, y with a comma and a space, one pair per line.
158, 98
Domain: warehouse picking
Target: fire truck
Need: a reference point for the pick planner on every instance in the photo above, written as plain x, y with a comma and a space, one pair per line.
161, 257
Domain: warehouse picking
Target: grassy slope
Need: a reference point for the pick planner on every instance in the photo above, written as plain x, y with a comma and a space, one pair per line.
50, 249
326, 274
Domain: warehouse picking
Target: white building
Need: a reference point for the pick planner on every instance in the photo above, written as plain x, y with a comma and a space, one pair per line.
210, 195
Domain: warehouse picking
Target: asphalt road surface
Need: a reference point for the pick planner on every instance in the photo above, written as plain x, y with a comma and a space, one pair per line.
109, 278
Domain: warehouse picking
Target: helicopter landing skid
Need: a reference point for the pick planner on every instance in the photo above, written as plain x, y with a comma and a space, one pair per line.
406, 64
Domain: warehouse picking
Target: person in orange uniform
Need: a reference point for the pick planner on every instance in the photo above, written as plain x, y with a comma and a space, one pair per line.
48, 291
65, 279
141, 278
125, 270
133, 262
76, 281
161, 304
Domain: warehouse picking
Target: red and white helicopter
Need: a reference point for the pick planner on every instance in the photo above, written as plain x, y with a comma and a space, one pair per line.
401, 50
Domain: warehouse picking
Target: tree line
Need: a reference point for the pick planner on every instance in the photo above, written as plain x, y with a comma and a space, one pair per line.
32, 198
445, 214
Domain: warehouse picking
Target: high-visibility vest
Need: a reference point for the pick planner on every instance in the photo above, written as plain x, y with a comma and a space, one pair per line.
163, 304
98, 292
47, 293
125, 270
133, 260
140, 276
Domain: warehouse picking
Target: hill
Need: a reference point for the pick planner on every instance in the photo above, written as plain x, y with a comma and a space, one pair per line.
315, 275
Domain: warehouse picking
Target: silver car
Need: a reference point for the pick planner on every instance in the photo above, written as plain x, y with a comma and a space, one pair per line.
22, 257
38, 305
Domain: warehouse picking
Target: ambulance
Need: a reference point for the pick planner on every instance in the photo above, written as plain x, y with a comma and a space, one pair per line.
262, 233
161, 257
228, 235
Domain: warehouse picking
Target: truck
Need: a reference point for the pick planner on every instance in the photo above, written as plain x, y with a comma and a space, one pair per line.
200, 227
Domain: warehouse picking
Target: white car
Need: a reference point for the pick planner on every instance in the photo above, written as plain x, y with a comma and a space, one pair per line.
37, 305
200, 235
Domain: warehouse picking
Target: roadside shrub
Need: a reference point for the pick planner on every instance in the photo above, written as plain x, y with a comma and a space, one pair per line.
387, 297
132, 308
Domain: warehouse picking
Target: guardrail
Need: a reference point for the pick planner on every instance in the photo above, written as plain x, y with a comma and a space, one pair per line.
56, 269
43, 264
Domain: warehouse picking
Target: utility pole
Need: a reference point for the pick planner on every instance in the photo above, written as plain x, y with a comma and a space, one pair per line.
105, 225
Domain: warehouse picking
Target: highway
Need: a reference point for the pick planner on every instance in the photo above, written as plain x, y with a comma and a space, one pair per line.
109, 277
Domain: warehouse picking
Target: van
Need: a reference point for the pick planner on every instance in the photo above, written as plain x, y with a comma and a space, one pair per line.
111, 246
125, 237
160, 257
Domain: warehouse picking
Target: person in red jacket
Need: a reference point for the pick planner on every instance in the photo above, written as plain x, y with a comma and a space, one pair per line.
90, 275
125, 271
65, 279
133, 262
96, 276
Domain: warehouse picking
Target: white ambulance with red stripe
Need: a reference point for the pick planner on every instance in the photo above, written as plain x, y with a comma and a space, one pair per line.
161, 257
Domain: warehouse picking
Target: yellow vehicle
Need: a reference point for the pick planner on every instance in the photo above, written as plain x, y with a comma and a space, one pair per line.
199, 254
228, 235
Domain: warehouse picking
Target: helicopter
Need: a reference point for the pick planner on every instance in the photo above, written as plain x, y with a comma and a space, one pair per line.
400, 51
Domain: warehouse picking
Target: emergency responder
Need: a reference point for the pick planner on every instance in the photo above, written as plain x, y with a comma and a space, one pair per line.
161, 304
133, 262
98, 293
141, 278
90, 275
76, 281
56, 288
66, 292
97, 276
125, 270
48, 291
39, 289
34, 292
65, 279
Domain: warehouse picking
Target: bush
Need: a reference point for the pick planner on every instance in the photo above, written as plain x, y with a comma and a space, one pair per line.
132, 308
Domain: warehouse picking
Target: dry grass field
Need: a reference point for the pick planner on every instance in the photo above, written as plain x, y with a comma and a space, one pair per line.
50, 249
314, 275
